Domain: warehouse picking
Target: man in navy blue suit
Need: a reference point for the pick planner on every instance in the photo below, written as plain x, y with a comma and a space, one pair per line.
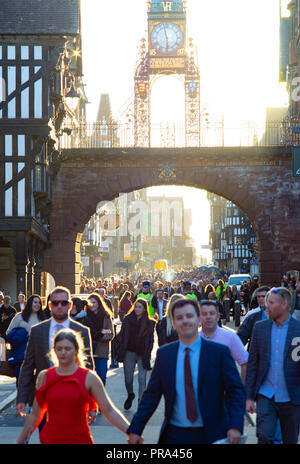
273, 371
204, 396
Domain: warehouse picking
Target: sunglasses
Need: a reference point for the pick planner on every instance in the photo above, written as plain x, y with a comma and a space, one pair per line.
277, 290
63, 302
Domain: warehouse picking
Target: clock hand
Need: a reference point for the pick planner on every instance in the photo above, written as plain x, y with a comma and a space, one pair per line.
167, 44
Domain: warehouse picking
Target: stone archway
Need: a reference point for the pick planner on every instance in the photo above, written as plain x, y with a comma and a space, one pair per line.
258, 180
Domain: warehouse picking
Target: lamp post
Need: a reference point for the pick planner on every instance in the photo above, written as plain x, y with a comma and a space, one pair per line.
72, 97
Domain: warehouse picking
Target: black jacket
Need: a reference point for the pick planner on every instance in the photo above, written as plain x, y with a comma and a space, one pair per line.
246, 328
6, 315
147, 341
162, 336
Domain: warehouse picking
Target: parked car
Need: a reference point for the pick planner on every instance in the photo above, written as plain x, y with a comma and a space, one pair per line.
238, 279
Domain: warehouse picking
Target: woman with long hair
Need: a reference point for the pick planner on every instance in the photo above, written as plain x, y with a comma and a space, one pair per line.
125, 304
208, 289
99, 319
137, 337
165, 331
77, 312
18, 330
66, 392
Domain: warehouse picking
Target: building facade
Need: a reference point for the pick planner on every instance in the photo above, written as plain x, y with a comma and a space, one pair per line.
232, 237
40, 68
167, 232
289, 71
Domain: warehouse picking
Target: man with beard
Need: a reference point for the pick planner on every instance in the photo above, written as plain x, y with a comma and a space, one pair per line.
40, 343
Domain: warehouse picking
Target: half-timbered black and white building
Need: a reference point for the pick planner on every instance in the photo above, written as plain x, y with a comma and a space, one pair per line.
40, 63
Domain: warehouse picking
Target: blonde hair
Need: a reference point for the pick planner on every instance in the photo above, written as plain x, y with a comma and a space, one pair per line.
172, 300
73, 337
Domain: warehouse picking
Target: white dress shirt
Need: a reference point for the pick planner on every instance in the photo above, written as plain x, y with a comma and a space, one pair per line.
179, 417
52, 331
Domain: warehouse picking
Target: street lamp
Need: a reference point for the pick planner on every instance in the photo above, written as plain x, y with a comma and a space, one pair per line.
72, 97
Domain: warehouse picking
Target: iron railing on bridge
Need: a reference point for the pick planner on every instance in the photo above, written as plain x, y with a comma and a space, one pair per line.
214, 134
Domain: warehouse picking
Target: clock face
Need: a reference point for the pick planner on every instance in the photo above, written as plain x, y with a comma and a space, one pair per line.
166, 37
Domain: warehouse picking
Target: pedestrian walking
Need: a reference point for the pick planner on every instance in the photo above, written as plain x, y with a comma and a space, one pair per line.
193, 375
7, 312
66, 392
245, 295
246, 328
209, 317
78, 312
272, 377
19, 328
40, 343
220, 291
207, 290
166, 332
137, 338
147, 295
125, 304
99, 319
20, 303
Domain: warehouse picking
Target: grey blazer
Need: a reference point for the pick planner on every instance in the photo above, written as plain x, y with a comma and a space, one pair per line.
259, 359
36, 358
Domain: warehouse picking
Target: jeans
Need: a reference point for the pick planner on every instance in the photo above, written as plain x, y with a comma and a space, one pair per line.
268, 412
130, 361
101, 368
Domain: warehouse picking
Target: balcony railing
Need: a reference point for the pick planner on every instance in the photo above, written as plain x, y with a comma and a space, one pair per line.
214, 134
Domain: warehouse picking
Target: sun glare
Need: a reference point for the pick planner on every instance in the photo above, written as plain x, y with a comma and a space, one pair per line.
238, 55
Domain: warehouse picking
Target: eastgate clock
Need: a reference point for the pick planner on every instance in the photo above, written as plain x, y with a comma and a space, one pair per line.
166, 37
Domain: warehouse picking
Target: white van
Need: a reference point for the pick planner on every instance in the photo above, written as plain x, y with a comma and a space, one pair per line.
238, 279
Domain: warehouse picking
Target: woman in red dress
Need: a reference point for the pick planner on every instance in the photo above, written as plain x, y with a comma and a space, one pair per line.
66, 392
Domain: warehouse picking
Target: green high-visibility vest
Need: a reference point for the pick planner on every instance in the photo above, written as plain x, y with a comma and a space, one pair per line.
191, 295
149, 298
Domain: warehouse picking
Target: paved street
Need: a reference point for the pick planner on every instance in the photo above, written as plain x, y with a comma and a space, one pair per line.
102, 431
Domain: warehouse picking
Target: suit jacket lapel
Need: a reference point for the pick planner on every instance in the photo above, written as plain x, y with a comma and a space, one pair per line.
172, 364
268, 339
289, 336
202, 362
45, 336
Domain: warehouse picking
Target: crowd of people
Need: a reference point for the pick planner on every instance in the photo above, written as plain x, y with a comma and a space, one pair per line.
118, 319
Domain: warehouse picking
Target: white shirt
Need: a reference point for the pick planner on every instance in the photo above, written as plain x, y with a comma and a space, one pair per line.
252, 311
160, 309
228, 337
52, 331
179, 417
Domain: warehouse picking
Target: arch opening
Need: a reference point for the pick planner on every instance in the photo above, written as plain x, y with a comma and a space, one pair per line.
132, 231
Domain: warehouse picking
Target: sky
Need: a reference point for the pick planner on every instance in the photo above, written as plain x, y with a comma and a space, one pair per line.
238, 54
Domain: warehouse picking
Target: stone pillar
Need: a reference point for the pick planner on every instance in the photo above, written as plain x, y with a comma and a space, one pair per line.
37, 268
21, 276
30, 267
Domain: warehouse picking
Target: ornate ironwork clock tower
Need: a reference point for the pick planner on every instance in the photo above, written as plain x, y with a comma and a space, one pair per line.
166, 51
